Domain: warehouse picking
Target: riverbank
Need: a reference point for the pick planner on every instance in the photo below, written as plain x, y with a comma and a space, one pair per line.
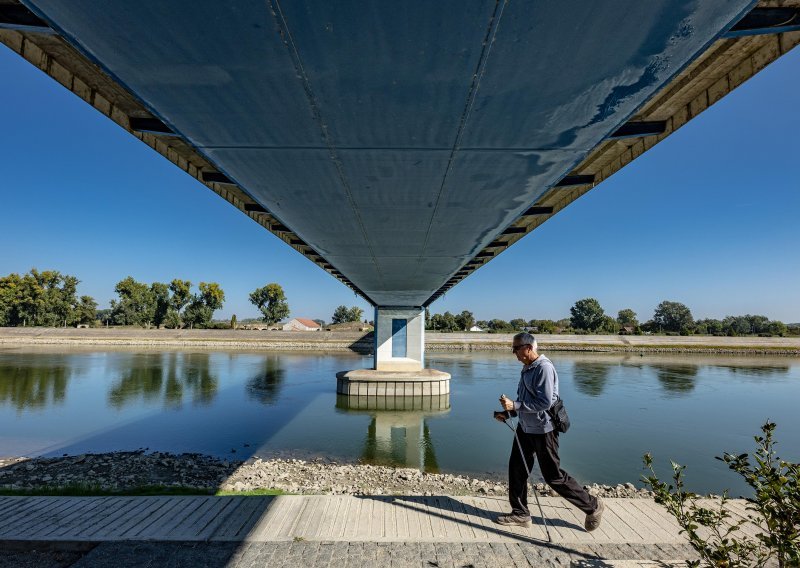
363, 343
118, 471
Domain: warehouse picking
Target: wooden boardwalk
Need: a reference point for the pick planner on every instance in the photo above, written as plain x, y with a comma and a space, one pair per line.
329, 518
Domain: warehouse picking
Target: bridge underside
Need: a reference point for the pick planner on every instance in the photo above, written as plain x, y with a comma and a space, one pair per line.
400, 146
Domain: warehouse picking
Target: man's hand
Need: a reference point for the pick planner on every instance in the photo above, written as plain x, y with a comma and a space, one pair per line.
501, 416
506, 403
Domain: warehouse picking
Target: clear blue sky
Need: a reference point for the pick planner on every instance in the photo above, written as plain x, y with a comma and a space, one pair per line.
710, 217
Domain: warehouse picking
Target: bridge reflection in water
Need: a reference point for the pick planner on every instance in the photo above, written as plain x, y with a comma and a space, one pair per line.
398, 434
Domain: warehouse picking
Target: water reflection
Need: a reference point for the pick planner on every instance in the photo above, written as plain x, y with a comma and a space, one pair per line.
677, 379
590, 377
166, 377
27, 386
396, 435
265, 386
757, 371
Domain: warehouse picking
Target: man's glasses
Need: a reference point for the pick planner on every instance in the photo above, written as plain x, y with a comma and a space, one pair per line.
516, 348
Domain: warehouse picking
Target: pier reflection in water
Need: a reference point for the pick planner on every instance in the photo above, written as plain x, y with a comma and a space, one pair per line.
398, 434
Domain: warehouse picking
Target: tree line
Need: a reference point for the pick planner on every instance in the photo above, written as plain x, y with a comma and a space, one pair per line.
46, 298
588, 316
49, 298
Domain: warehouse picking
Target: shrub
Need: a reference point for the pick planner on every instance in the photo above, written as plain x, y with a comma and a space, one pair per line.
776, 484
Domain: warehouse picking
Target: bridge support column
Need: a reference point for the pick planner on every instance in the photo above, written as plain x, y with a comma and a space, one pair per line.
399, 364
399, 339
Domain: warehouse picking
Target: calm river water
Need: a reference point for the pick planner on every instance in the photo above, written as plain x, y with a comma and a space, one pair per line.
686, 408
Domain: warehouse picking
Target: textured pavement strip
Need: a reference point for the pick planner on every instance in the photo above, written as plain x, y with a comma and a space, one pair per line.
334, 531
378, 519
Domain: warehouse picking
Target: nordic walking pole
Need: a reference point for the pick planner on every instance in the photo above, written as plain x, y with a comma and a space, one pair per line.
535, 494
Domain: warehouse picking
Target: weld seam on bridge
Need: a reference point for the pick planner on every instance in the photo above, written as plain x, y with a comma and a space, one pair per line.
488, 41
297, 62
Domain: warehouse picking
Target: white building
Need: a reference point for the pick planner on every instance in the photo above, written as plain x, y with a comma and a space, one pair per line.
301, 324
475, 328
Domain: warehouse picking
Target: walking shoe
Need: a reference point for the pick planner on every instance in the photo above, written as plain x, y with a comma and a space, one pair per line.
593, 519
515, 520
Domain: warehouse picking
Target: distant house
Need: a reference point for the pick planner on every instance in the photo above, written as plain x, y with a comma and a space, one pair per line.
475, 328
301, 324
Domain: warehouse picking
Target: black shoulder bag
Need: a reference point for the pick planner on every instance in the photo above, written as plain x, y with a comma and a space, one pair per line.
558, 414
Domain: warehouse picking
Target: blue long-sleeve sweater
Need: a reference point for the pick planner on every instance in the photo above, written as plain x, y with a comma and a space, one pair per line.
537, 391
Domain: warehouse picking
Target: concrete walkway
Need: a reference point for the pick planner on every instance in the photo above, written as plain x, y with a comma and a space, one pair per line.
410, 531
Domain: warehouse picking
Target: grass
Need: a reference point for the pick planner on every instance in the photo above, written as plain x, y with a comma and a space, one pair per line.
84, 490
252, 492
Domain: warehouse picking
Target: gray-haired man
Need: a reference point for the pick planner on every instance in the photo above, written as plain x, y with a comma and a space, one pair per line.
538, 391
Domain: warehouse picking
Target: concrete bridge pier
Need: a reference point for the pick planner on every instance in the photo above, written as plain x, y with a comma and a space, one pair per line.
399, 368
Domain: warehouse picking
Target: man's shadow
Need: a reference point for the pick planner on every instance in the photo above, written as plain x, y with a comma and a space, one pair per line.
448, 506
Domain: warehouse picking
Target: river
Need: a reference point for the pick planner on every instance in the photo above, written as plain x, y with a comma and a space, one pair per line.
685, 408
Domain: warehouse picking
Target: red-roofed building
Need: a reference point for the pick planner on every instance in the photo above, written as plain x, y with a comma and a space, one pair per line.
301, 324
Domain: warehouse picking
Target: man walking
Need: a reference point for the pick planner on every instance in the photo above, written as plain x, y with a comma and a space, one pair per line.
538, 391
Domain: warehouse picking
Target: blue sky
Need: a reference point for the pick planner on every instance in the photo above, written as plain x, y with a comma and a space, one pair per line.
709, 217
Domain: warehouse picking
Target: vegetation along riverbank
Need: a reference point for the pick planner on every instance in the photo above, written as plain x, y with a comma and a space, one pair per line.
363, 342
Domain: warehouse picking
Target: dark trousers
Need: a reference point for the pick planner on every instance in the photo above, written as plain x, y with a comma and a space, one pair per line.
545, 448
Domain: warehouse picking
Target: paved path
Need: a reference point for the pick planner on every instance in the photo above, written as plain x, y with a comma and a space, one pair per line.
327, 530
321, 518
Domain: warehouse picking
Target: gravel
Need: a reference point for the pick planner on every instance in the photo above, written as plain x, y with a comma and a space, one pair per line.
125, 470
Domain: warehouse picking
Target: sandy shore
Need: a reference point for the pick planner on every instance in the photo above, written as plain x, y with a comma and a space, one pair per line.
361, 343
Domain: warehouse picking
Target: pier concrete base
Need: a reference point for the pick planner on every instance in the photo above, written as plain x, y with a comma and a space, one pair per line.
369, 382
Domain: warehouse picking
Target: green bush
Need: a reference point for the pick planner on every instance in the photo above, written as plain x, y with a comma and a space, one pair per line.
776, 505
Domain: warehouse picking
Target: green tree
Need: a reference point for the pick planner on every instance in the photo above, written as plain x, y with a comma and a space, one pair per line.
355, 314
38, 298
271, 301
465, 320
343, 314
627, 317
340, 315
673, 316
10, 287
58, 298
777, 328
161, 301
587, 314
173, 319
104, 315
518, 324
197, 314
708, 326
181, 294
449, 322
203, 305
211, 295
499, 326
86, 311
609, 325
233, 321
437, 323
543, 326
136, 305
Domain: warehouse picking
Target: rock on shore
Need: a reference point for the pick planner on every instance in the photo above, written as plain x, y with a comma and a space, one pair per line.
123, 470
